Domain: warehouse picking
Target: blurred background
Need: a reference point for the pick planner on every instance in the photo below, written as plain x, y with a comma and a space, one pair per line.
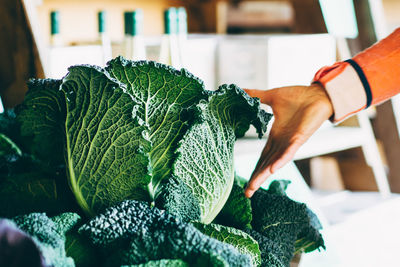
348, 173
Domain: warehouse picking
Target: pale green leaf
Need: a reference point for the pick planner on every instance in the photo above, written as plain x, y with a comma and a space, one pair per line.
8, 147
205, 161
243, 242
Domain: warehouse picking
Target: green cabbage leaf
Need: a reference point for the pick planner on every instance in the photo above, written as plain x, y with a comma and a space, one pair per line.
131, 129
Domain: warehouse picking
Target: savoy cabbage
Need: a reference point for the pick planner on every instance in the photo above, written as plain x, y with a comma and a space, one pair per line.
147, 154
128, 129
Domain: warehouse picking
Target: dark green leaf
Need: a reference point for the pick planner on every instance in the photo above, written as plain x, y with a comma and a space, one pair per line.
42, 117
285, 222
237, 210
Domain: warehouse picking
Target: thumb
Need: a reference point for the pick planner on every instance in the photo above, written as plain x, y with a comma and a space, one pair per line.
265, 96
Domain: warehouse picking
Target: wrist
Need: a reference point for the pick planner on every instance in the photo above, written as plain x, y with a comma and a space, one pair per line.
322, 99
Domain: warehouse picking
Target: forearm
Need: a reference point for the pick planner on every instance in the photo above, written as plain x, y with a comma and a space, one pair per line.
371, 77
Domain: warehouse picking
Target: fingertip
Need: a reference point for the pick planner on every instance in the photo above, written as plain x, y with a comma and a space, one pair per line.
256, 181
248, 193
251, 187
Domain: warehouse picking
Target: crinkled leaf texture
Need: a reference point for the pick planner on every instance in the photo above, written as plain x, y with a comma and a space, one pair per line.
133, 233
192, 130
165, 97
286, 226
309, 238
161, 263
272, 253
205, 160
130, 130
42, 116
243, 242
178, 199
106, 144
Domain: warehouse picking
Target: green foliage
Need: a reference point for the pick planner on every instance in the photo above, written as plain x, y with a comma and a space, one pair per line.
10, 127
29, 192
8, 147
58, 240
49, 235
284, 221
133, 233
26, 186
9, 139
272, 253
65, 222
205, 161
178, 200
106, 144
310, 239
278, 187
282, 227
237, 210
150, 146
161, 263
243, 242
42, 116
81, 250
127, 129
165, 97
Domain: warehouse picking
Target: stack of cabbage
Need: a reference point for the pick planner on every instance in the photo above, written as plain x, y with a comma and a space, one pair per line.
133, 165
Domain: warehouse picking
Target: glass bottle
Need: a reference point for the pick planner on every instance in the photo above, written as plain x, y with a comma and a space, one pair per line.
169, 50
103, 38
134, 45
55, 37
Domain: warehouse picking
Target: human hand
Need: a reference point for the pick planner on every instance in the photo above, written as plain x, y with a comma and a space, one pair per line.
299, 111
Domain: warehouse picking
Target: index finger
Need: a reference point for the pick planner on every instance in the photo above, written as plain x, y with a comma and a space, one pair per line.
265, 96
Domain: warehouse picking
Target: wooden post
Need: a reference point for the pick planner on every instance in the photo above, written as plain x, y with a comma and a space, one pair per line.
202, 15
386, 131
19, 57
385, 122
308, 17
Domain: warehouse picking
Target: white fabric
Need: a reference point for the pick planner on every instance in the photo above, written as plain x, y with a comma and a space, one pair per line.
347, 93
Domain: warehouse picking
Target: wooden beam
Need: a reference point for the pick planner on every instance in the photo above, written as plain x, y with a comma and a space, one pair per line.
386, 131
202, 15
385, 122
19, 57
308, 17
